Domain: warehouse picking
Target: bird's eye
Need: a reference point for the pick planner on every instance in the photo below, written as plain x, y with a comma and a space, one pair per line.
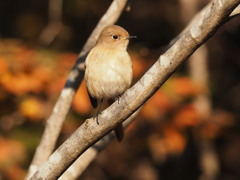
115, 37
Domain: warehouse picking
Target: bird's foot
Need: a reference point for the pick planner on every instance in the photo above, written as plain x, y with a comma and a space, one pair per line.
117, 99
96, 116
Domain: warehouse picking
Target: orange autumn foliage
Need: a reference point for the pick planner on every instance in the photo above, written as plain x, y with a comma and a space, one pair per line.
55, 86
11, 152
20, 83
81, 102
170, 142
183, 86
150, 112
157, 105
186, 116
42, 73
31, 108
139, 65
25, 70
174, 140
66, 60
3, 65
15, 173
214, 126
162, 101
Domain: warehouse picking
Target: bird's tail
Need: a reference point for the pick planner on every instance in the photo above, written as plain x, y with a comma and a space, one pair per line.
119, 132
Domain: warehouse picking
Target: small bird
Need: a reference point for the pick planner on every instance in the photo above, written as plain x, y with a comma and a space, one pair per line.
109, 71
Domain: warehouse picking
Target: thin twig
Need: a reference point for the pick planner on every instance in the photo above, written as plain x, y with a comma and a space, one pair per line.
90, 132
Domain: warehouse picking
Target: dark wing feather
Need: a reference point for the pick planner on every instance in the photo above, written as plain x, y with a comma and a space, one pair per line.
93, 100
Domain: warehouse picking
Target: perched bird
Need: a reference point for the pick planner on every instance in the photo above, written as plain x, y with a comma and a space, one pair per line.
109, 69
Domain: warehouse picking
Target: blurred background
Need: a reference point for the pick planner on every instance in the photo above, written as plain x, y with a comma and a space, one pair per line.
190, 129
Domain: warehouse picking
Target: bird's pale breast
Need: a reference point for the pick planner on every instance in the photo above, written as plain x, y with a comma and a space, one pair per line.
108, 73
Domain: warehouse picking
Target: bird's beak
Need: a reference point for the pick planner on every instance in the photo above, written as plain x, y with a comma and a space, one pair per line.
131, 37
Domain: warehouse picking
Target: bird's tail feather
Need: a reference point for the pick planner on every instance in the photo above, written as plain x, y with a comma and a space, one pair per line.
119, 132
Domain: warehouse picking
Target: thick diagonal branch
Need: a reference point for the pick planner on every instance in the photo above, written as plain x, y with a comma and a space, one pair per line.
90, 132
80, 165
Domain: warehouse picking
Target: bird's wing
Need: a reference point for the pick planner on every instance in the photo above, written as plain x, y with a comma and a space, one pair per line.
93, 100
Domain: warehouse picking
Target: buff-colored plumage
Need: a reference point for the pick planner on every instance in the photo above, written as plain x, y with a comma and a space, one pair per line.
108, 67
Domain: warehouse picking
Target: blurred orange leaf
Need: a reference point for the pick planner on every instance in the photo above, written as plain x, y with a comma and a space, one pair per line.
150, 111
15, 173
170, 142
41, 73
55, 86
81, 102
159, 104
161, 100
31, 108
215, 124
186, 116
11, 152
20, 83
174, 140
158, 148
183, 86
15, 84
66, 60
3, 65
139, 66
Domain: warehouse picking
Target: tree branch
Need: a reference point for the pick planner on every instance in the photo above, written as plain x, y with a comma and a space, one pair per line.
198, 18
61, 108
235, 12
79, 166
55, 22
90, 132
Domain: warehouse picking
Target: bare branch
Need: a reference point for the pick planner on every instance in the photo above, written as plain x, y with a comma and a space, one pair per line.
235, 12
79, 166
109, 18
90, 132
198, 18
61, 108
55, 22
